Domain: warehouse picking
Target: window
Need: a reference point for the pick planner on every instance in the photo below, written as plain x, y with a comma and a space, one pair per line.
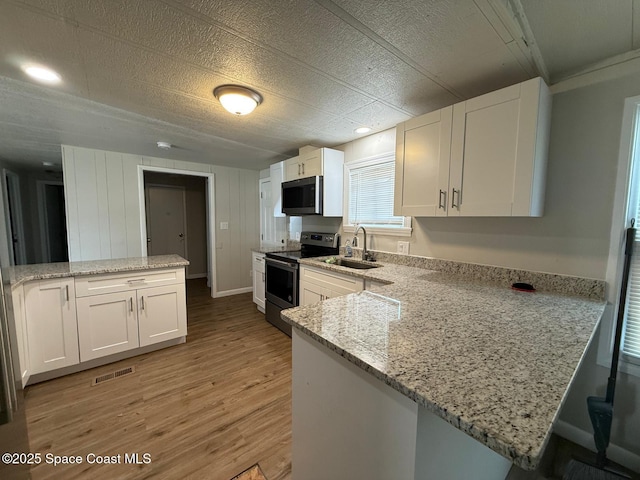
369, 186
631, 333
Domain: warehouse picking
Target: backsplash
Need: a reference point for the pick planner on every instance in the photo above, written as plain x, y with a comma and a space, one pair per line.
548, 282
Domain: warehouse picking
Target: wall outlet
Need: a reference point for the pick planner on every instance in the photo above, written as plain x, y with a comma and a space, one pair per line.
403, 248
224, 225
296, 236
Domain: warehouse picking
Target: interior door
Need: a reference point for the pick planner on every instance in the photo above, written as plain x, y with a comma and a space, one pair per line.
166, 225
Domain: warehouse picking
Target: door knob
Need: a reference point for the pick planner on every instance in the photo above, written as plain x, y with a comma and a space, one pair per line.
181, 235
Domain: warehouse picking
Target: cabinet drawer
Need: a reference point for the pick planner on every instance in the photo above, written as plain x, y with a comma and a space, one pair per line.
258, 262
118, 282
334, 281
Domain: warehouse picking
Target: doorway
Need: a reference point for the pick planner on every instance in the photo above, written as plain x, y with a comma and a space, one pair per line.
53, 222
13, 201
177, 218
166, 219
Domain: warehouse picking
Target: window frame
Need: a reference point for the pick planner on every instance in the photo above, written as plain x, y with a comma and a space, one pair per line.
623, 212
403, 230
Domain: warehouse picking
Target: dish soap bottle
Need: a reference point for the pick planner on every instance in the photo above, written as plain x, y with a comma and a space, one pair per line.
348, 252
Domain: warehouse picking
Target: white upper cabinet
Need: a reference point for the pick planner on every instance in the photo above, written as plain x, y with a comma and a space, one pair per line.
326, 162
422, 164
305, 165
276, 172
495, 165
499, 149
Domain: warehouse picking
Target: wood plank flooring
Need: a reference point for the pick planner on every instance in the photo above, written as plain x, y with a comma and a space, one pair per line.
206, 409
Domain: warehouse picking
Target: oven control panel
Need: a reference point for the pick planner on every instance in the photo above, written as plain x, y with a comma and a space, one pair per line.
320, 239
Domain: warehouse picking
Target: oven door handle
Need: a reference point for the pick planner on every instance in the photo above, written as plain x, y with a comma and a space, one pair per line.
280, 262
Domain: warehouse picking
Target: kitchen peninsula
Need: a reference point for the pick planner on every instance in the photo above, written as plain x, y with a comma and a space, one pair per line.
386, 381
73, 316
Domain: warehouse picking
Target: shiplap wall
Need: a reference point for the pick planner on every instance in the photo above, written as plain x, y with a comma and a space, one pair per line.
103, 210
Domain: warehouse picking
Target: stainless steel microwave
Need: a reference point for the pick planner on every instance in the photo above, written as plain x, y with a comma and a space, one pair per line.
302, 196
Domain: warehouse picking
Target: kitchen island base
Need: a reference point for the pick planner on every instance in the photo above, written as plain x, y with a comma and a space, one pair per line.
348, 424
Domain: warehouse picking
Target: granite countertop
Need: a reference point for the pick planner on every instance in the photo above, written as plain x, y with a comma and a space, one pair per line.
274, 249
494, 362
14, 276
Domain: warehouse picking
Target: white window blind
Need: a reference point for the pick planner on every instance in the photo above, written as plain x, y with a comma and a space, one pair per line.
631, 332
371, 194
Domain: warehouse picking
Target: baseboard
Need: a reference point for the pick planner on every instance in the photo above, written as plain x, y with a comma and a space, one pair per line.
98, 362
196, 275
618, 454
237, 291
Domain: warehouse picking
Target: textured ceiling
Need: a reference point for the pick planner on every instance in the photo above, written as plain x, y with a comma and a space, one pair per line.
135, 72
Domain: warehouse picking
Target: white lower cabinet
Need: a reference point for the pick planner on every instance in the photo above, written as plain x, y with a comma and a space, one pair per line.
52, 329
68, 321
119, 312
317, 284
162, 314
258, 280
15, 310
107, 324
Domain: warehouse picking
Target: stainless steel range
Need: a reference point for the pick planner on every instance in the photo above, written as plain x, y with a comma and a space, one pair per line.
282, 285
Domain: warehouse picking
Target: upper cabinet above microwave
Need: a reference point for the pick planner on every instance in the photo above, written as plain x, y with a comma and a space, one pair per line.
324, 162
482, 157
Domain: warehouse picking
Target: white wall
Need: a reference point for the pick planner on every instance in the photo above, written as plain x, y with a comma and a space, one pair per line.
571, 238
103, 210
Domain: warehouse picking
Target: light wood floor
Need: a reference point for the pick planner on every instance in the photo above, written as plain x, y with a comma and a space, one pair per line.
207, 409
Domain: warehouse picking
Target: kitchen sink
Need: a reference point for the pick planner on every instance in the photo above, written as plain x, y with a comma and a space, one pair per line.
354, 264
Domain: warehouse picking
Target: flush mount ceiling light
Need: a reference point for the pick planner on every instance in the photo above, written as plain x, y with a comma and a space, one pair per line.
164, 145
42, 74
237, 99
362, 130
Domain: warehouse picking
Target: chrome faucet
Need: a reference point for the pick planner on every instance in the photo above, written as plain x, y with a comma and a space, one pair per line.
365, 254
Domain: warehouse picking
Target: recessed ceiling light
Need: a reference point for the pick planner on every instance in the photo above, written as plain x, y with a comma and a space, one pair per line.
48, 164
237, 99
362, 130
42, 74
164, 145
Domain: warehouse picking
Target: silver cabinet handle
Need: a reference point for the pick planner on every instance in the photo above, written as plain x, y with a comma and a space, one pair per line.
442, 199
263, 278
135, 280
131, 304
299, 170
453, 198
67, 289
303, 168
142, 300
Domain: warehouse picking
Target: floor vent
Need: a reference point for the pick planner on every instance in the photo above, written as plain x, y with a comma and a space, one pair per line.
113, 375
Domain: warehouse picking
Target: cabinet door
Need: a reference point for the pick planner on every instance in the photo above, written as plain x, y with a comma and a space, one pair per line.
292, 169
162, 314
311, 164
498, 152
258, 280
107, 324
422, 165
276, 172
311, 293
15, 311
52, 329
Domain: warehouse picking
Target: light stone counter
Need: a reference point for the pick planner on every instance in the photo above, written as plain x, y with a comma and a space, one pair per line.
493, 362
15, 276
